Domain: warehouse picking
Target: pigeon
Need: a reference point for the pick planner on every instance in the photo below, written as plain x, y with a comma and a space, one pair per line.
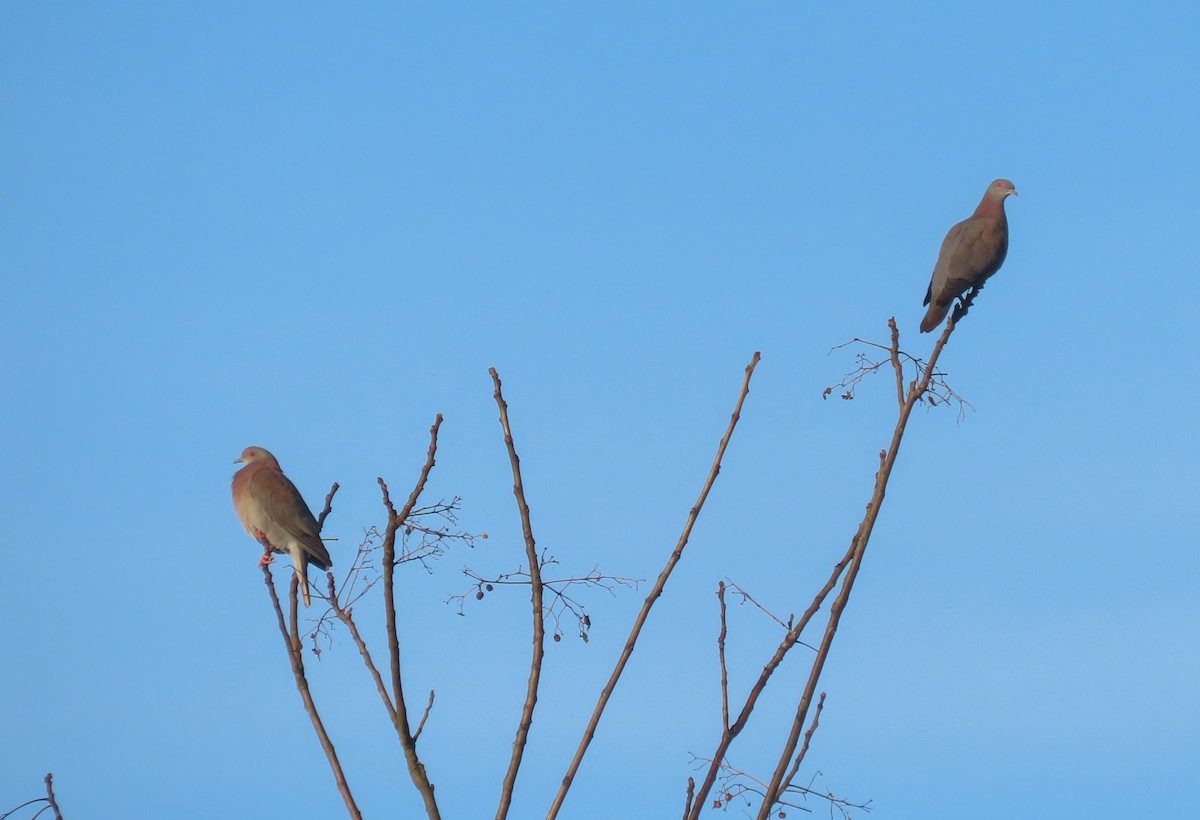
972, 251
274, 513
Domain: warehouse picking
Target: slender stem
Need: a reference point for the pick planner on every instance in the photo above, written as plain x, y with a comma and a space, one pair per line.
424, 717
606, 693
897, 368
721, 657
807, 739
536, 592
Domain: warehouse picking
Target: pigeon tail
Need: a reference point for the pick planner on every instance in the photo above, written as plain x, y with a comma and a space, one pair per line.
933, 316
301, 565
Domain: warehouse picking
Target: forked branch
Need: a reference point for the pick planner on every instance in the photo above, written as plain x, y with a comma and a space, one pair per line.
917, 387
396, 521
50, 800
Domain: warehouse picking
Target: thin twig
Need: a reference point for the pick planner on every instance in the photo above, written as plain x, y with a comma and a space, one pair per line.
559, 601
328, 506
938, 393
16, 809
807, 738
606, 693
539, 627
424, 717
748, 598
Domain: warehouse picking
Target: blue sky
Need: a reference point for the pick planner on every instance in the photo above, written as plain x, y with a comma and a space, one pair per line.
314, 227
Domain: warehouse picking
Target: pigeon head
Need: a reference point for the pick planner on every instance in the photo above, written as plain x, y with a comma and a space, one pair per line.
252, 454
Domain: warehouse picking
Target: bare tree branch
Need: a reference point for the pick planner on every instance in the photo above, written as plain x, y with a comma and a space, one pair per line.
925, 380
790, 639
539, 629
343, 614
639, 622
393, 545
416, 769
916, 389
897, 368
50, 800
424, 717
294, 646
724, 668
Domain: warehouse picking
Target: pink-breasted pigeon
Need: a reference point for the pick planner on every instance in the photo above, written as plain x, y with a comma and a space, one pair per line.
273, 512
972, 251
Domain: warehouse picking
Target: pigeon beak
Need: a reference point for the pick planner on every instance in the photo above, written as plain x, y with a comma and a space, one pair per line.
1013, 192
238, 460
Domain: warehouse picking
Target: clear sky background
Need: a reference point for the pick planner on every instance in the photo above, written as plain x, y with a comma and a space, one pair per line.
314, 226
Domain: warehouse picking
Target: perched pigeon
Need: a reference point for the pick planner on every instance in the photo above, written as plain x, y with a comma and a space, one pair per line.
273, 511
972, 251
